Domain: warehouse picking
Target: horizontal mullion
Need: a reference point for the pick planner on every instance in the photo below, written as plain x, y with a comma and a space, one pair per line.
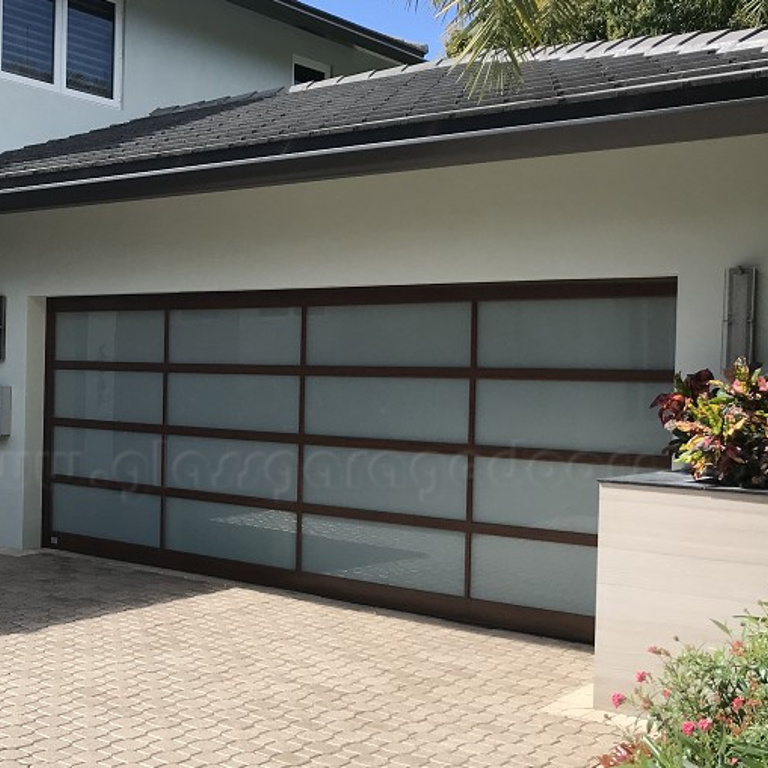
412, 294
344, 513
384, 371
107, 485
577, 374
101, 365
649, 461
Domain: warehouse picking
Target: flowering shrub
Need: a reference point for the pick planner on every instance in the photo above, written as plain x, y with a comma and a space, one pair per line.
705, 709
720, 429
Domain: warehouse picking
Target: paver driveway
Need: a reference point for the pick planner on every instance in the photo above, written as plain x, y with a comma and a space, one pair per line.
106, 664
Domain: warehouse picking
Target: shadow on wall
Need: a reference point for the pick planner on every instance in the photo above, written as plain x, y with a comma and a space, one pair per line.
44, 590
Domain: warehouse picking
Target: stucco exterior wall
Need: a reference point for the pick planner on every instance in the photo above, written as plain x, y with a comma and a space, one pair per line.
176, 52
690, 210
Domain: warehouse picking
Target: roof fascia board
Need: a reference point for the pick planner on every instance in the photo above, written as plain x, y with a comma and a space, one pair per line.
665, 126
335, 28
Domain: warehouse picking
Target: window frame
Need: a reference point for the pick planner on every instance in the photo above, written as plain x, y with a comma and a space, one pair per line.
59, 84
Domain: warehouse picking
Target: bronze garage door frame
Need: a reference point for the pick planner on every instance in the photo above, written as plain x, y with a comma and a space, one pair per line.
466, 609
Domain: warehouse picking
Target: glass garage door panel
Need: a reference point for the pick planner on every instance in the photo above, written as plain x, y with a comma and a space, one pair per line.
409, 409
540, 494
109, 396
237, 467
256, 336
126, 337
579, 416
634, 333
394, 555
261, 536
386, 481
226, 401
113, 515
536, 574
400, 334
128, 457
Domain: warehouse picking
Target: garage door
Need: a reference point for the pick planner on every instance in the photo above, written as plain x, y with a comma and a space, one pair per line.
434, 449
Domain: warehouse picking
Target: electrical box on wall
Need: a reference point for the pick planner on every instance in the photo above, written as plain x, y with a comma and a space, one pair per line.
5, 411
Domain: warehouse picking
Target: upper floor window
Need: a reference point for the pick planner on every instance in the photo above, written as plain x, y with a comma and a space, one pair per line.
72, 45
307, 71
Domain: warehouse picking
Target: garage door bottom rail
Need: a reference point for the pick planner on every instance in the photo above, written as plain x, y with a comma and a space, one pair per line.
564, 626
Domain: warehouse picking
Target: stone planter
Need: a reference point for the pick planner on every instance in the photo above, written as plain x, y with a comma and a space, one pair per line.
672, 555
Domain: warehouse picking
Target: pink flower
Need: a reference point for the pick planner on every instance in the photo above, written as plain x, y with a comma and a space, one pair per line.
666, 693
641, 676
618, 699
738, 703
734, 761
705, 724
689, 727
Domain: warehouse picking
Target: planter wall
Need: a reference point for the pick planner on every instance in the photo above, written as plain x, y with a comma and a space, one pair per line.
672, 555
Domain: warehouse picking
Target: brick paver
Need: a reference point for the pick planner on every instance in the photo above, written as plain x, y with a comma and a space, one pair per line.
109, 665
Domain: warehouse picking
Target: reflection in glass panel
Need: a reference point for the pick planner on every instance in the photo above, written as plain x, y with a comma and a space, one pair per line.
633, 333
537, 574
541, 494
109, 396
91, 46
411, 409
28, 33
262, 536
126, 337
114, 515
400, 334
588, 416
259, 336
226, 401
395, 555
238, 467
129, 457
386, 481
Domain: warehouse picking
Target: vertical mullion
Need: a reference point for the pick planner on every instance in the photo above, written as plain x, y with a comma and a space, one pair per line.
164, 435
48, 416
302, 432
470, 452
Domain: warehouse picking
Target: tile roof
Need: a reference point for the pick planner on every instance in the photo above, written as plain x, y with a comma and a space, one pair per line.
351, 109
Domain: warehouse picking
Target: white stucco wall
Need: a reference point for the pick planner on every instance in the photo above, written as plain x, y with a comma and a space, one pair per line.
690, 210
176, 52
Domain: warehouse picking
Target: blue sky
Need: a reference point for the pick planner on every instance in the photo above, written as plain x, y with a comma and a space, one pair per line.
392, 17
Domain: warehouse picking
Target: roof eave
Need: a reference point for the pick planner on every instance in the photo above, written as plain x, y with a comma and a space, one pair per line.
298, 14
622, 130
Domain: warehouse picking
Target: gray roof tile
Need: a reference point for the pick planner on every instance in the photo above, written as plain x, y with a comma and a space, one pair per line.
412, 94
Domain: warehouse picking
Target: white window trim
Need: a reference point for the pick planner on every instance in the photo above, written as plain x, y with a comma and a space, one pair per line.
59, 84
302, 61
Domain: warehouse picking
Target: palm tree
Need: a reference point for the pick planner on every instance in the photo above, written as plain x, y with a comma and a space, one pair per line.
516, 27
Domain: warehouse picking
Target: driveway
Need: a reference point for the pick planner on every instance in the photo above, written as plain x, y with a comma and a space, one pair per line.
106, 664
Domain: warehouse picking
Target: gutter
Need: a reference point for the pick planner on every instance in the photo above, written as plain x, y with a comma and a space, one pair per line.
695, 122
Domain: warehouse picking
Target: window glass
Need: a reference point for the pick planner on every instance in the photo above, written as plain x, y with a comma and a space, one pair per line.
302, 74
91, 47
536, 574
394, 555
262, 536
28, 33
399, 334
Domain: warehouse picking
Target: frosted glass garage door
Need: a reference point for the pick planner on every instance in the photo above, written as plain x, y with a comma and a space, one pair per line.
391, 445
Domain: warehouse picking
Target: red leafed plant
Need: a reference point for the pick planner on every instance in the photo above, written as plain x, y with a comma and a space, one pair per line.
720, 428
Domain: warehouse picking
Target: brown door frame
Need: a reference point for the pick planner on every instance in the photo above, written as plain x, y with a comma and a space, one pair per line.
464, 608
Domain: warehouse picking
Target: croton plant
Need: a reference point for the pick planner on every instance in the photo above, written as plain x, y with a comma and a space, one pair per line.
720, 428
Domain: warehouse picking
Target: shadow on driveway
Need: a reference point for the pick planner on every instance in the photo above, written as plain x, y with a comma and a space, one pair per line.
46, 589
